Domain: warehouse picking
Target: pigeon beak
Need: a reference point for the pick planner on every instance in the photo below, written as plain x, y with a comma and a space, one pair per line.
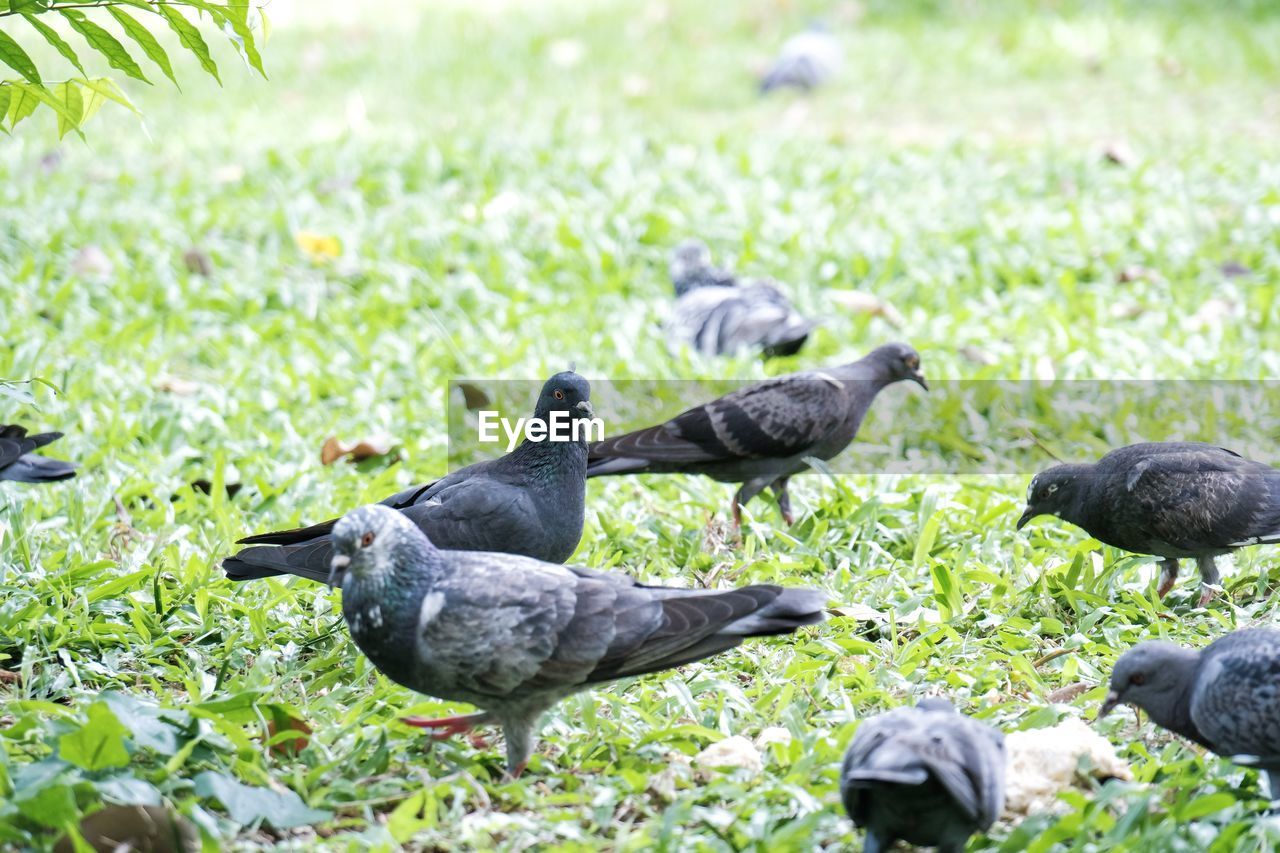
918, 378
338, 568
586, 409
1109, 705
1030, 513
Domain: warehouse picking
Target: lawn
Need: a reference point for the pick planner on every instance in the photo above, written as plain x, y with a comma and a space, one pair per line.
425, 192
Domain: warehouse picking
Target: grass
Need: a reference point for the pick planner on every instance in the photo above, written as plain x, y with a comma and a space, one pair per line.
501, 212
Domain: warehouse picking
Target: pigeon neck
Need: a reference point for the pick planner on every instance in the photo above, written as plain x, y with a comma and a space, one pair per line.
1174, 712
1082, 506
549, 460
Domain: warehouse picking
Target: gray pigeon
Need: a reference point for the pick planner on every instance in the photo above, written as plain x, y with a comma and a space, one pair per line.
529, 502
19, 463
926, 775
806, 61
513, 636
1170, 499
762, 434
1225, 698
716, 315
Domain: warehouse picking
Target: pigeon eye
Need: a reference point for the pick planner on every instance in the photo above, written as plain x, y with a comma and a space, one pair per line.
1138, 678
367, 539
559, 394
1053, 487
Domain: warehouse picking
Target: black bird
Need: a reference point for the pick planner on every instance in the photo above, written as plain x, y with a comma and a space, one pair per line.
762, 434
926, 775
529, 502
716, 314
19, 463
513, 636
1225, 698
1169, 499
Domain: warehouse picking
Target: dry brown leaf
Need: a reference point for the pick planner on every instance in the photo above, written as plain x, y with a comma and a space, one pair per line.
978, 355
1066, 694
8, 676
197, 261
292, 746
365, 448
1118, 151
1137, 272
175, 385
862, 302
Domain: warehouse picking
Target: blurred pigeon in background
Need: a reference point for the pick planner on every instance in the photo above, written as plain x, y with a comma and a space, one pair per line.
762, 434
1170, 499
716, 315
807, 60
18, 462
513, 636
529, 502
926, 775
1225, 698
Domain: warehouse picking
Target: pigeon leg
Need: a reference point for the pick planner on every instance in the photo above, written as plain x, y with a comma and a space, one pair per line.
1168, 576
519, 734
447, 726
749, 490
1210, 580
784, 499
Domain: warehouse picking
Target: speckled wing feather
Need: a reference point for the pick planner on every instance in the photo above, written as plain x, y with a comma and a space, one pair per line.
1235, 703
777, 418
1191, 496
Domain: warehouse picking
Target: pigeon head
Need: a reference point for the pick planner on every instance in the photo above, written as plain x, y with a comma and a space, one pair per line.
902, 362
371, 541
689, 258
565, 392
1054, 491
1153, 676
936, 703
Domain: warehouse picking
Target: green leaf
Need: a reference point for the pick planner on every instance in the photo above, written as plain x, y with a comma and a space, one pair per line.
69, 94
236, 16
191, 39
99, 743
52, 37
5, 389
22, 103
105, 43
150, 46
16, 58
249, 805
59, 106
106, 88
52, 806
1206, 805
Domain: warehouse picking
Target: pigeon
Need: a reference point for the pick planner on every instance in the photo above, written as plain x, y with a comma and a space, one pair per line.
716, 315
926, 775
1225, 698
762, 434
513, 635
807, 60
529, 502
1169, 499
19, 463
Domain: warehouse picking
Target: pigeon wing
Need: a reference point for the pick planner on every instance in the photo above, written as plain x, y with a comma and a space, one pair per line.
1235, 703
777, 418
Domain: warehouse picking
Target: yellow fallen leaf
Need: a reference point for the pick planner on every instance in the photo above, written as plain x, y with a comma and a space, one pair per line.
318, 247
